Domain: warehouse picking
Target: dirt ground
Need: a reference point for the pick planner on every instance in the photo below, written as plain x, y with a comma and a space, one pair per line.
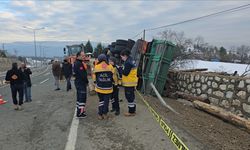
210, 131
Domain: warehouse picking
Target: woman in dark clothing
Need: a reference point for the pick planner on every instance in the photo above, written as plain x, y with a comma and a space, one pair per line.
67, 71
27, 82
15, 78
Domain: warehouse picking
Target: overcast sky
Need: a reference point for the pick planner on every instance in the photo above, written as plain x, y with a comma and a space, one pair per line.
106, 21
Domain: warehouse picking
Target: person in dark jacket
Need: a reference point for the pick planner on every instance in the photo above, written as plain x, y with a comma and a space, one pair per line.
67, 71
26, 82
116, 83
81, 82
15, 77
103, 78
129, 81
56, 70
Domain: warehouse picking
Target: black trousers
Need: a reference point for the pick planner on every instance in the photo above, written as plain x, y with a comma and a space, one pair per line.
81, 94
103, 108
130, 96
115, 98
17, 88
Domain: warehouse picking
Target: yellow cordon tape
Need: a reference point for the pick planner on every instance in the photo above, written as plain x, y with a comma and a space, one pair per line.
169, 132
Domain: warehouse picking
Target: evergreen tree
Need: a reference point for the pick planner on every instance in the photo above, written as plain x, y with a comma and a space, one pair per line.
89, 47
99, 49
223, 53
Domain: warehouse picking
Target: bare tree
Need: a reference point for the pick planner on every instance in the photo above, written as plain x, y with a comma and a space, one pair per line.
181, 56
243, 52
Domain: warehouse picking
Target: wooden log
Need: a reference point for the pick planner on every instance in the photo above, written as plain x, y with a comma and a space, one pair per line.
194, 70
191, 98
221, 113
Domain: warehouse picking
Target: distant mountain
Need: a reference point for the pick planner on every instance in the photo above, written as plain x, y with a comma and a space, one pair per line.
50, 48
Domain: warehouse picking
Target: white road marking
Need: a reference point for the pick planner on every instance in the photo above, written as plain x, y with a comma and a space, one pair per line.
71, 142
44, 81
4, 86
46, 74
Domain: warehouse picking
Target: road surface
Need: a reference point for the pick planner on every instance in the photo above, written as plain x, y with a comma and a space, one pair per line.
48, 123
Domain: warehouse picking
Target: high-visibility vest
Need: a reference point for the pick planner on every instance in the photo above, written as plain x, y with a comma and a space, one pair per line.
131, 79
104, 77
117, 79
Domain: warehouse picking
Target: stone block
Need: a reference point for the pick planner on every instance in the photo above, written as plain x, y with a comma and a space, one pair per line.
209, 91
230, 87
236, 102
217, 79
229, 94
198, 91
209, 83
241, 84
225, 80
223, 87
242, 94
218, 93
225, 104
197, 77
204, 87
246, 108
214, 85
214, 101
198, 84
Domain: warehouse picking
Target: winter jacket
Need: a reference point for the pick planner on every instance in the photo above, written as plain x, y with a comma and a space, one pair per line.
103, 77
129, 73
80, 70
26, 74
67, 69
14, 76
56, 69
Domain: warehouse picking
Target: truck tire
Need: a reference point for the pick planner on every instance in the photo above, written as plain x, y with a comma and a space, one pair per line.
121, 42
120, 48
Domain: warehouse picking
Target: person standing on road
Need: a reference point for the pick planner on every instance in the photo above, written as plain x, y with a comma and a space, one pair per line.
15, 78
115, 94
56, 70
103, 77
81, 82
27, 82
67, 71
129, 81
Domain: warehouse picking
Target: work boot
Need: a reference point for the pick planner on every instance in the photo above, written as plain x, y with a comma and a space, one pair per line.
117, 113
105, 116
112, 110
16, 107
57, 89
82, 115
20, 107
100, 117
127, 114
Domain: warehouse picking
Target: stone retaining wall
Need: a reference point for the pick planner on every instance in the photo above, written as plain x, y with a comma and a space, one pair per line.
229, 92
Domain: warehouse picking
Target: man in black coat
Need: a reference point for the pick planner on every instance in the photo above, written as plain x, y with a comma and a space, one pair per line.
67, 71
15, 77
81, 82
27, 82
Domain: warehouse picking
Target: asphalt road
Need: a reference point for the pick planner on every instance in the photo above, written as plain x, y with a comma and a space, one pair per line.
46, 123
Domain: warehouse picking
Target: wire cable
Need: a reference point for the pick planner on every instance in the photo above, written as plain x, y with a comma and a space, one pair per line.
205, 16
137, 35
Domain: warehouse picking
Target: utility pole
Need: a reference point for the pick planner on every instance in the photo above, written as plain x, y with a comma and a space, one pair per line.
34, 32
144, 34
3, 46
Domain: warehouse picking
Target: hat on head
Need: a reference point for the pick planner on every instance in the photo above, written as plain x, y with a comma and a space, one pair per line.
113, 59
102, 57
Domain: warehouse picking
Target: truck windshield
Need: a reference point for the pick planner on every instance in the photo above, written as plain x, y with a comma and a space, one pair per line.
73, 50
